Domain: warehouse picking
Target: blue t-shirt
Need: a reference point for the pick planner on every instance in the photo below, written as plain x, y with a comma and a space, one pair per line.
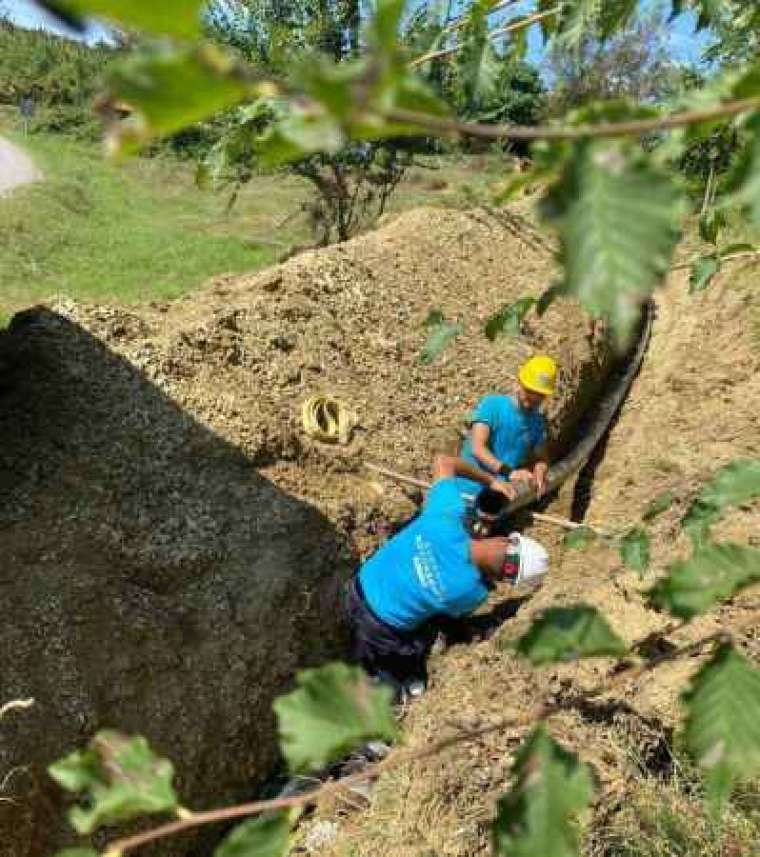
425, 570
514, 433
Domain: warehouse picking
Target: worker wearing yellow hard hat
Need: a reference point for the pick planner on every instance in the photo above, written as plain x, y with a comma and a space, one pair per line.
507, 435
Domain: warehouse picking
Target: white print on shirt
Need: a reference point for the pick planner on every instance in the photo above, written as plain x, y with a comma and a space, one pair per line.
426, 568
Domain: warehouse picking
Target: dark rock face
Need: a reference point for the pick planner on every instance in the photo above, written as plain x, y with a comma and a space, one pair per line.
151, 580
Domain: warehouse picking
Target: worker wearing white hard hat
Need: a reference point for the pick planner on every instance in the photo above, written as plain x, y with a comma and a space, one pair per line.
439, 567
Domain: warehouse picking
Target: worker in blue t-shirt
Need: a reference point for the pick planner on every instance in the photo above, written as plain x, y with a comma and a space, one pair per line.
435, 569
508, 433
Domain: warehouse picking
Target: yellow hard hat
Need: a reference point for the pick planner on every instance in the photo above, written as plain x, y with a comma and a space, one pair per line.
539, 374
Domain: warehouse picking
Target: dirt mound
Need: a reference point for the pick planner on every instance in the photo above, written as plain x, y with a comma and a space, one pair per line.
349, 320
693, 408
171, 539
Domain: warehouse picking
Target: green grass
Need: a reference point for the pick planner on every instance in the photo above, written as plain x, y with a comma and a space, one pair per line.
143, 231
95, 231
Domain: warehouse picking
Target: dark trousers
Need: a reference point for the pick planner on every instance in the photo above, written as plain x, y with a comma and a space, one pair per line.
393, 656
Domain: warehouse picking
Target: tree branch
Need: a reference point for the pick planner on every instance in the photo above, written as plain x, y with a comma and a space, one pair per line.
634, 127
494, 34
538, 712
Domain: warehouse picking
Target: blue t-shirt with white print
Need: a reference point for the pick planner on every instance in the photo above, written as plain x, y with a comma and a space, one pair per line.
515, 431
425, 570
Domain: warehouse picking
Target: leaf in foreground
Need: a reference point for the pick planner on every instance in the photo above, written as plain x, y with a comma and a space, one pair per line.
171, 88
580, 537
713, 574
634, 550
538, 816
661, 503
722, 729
703, 270
77, 852
736, 483
263, 836
617, 217
569, 633
122, 778
441, 337
334, 710
170, 17
509, 319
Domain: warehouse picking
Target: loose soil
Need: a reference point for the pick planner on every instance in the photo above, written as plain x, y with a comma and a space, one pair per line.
693, 408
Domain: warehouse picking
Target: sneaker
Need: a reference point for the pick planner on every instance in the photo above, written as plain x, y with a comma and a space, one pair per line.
414, 689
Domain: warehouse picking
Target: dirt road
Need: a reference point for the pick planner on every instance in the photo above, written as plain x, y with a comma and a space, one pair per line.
16, 168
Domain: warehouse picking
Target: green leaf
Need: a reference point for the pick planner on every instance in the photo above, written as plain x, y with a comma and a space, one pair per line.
170, 89
617, 217
334, 710
538, 816
441, 337
743, 181
702, 272
661, 503
711, 223
382, 32
569, 633
298, 134
169, 17
722, 729
736, 483
434, 318
730, 249
580, 537
122, 778
508, 319
713, 574
634, 550
264, 836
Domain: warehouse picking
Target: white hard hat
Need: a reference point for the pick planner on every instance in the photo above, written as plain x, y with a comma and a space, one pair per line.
534, 560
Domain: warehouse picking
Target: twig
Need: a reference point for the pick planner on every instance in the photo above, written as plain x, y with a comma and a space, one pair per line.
569, 525
745, 254
538, 712
549, 132
494, 34
398, 477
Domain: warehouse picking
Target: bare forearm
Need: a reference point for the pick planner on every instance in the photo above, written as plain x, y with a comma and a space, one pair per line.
486, 457
448, 466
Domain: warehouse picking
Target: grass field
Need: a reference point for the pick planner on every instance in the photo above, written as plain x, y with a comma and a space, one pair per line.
143, 231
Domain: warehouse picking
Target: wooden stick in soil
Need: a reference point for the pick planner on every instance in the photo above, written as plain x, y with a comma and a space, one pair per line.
537, 516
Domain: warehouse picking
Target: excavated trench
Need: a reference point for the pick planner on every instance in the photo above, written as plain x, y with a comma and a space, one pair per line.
157, 578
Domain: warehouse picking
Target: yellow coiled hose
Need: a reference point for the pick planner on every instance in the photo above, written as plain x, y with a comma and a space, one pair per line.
328, 419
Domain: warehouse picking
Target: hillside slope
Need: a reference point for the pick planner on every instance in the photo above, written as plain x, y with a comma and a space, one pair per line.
693, 408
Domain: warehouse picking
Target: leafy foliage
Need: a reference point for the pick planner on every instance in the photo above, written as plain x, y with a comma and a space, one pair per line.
121, 777
658, 505
713, 574
578, 538
634, 550
722, 730
569, 633
736, 483
703, 270
509, 319
263, 836
333, 710
441, 336
617, 219
538, 815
